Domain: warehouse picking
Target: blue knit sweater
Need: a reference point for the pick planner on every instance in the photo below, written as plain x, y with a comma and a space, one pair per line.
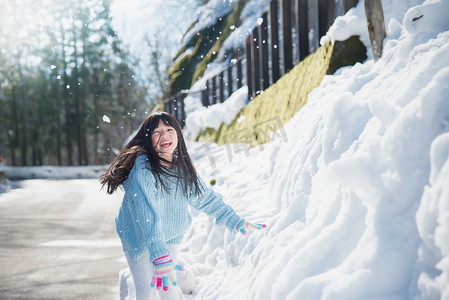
150, 217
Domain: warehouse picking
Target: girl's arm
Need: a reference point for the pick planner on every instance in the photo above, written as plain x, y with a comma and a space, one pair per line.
212, 204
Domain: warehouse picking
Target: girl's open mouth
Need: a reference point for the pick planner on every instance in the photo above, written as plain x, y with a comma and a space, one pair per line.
165, 144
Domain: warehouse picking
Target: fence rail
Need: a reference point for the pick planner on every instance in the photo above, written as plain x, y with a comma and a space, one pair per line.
288, 32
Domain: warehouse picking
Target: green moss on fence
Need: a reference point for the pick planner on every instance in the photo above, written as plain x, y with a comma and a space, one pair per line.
281, 101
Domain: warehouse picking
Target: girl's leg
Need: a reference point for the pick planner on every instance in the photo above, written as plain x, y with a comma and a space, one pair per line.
142, 272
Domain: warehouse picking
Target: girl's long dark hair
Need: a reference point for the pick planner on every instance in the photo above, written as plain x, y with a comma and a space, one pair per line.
182, 168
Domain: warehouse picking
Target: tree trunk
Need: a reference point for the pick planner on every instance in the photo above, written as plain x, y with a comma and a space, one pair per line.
12, 151
23, 109
84, 90
76, 89
96, 117
15, 141
57, 97
376, 26
36, 150
66, 102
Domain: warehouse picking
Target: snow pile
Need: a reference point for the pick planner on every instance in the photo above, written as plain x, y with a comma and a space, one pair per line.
354, 23
356, 200
214, 116
433, 225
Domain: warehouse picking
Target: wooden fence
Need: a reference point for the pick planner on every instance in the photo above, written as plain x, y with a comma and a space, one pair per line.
287, 32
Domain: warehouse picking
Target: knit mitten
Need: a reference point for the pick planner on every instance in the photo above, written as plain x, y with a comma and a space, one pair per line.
244, 227
164, 270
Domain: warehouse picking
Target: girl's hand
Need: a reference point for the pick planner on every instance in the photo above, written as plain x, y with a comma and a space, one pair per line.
244, 227
164, 270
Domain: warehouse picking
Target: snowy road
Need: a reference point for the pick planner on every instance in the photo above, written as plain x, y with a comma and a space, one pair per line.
57, 241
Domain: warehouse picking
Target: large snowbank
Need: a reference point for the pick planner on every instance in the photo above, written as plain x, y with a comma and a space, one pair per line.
356, 200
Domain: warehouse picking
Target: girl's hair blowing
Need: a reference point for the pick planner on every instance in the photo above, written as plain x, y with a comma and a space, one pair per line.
182, 168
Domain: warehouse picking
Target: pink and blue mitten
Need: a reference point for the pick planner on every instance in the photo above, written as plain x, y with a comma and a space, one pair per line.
164, 270
244, 227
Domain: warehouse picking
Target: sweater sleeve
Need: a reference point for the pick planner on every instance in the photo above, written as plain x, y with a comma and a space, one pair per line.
213, 205
147, 213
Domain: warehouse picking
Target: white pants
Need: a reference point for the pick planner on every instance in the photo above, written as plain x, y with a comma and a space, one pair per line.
142, 271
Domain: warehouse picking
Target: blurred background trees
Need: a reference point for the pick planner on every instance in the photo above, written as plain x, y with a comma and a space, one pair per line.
62, 68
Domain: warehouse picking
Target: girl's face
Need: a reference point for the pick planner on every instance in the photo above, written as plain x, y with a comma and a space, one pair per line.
164, 140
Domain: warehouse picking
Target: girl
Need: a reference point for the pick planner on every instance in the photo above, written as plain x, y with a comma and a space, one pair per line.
160, 182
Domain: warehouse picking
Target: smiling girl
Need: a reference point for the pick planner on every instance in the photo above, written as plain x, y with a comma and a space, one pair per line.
160, 182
